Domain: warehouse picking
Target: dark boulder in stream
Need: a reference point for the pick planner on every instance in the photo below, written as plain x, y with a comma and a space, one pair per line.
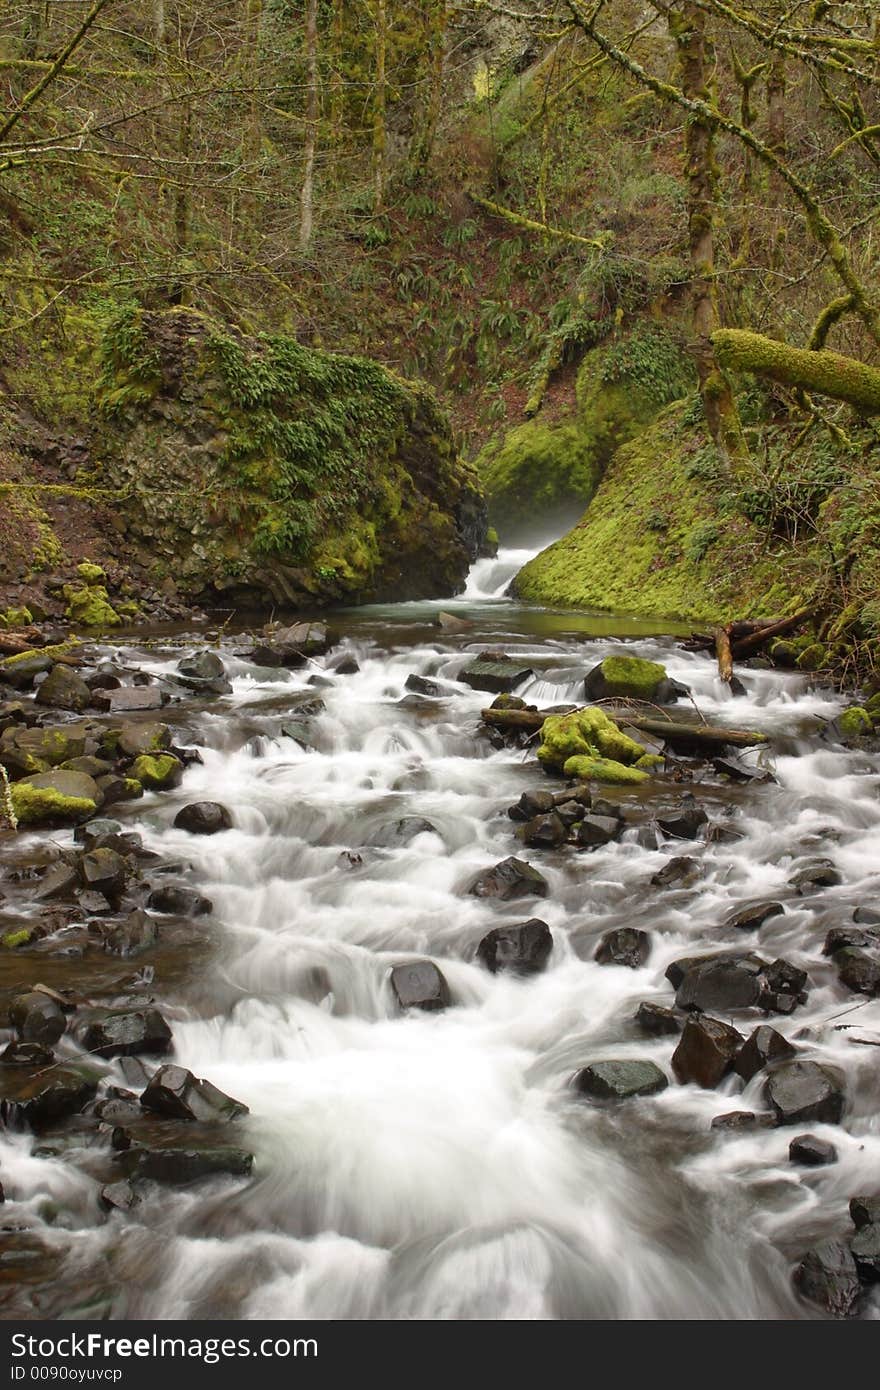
706, 1051
827, 1275
762, 1048
129, 1031
512, 878
420, 985
811, 1151
620, 1080
624, 946
523, 949
174, 1093
203, 818
799, 1092
37, 1018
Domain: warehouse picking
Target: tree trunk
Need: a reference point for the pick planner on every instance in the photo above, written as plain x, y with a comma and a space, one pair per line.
725, 658
688, 28
827, 373
673, 731
379, 102
159, 22
426, 127
306, 198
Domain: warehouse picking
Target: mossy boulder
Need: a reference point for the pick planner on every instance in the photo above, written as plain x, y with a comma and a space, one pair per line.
51, 744
90, 573
157, 772
813, 658
16, 617
626, 677
266, 472
55, 798
589, 769
585, 733
64, 688
90, 606
854, 722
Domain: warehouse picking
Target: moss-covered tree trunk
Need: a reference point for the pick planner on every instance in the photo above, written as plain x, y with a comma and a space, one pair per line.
380, 135
827, 373
688, 28
307, 191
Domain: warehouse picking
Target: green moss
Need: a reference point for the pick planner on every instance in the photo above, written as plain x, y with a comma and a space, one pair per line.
16, 617
21, 937
631, 677
60, 649
133, 789
90, 572
650, 760
827, 373
592, 769
585, 732
37, 805
538, 473
813, 658
90, 607
854, 722
156, 772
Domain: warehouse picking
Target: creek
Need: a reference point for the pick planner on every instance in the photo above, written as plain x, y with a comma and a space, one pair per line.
440, 1165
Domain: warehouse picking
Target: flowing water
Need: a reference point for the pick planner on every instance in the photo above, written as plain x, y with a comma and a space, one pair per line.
439, 1165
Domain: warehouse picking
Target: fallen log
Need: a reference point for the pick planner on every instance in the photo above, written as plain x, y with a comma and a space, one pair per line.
723, 652
706, 736
751, 644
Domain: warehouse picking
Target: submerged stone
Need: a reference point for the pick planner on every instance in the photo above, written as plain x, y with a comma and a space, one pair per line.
420, 985
512, 878
620, 1080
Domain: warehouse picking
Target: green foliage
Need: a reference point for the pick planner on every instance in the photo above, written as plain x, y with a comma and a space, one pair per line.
651, 360
700, 541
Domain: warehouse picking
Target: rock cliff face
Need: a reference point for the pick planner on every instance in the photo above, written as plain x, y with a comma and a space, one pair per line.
255, 470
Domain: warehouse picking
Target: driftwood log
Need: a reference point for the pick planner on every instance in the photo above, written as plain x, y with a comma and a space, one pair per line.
705, 736
725, 656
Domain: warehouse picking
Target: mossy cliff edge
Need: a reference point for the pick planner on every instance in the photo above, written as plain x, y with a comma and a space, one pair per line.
671, 532
258, 470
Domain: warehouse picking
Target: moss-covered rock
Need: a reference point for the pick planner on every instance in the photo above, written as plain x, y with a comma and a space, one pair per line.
625, 677
90, 606
90, 573
854, 722
16, 617
55, 798
590, 769
266, 471
813, 658
587, 732
157, 772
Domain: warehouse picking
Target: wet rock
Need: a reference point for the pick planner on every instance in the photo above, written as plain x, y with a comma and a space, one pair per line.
812, 1151
657, 1021
312, 638
858, 971
764, 1047
420, 985
179, 1167
115, 789
499, 675
569, 812
684, 823
103, 871
401, 832
706, 1051
681, 872
753, 916
137, 739
278, 654
595, 831
511, 878
625, 946
510, 702
739, 771
203, 818
39, 1098
26, 1054
64, 688
840, 937
545, 832
20, 674
134, 1071
55, 798
448, 622
800, 1092
865, 1211
827, 1276
129, 699
532, 804
118, 1196
781, 977
522, 949
740, 1121
865, 1247
37, 1018
300, 731
345, 665
201, 666
176, 1094
60, 881
821, 873
868, 916
620, 1080
420, 685
175, 900
136, 934
129, 1032
720, 982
